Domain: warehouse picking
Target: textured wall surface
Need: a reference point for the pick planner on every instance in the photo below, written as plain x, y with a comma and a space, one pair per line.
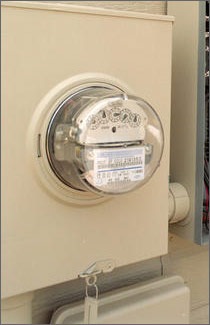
154, 7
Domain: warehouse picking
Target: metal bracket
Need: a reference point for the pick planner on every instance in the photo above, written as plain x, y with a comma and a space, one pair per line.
103, 266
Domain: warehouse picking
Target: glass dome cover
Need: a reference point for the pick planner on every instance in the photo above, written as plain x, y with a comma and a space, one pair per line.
104, 141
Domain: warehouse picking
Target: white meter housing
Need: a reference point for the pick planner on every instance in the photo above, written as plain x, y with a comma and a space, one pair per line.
99, 139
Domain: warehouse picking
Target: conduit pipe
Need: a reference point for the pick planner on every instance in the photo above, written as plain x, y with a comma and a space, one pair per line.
179, 203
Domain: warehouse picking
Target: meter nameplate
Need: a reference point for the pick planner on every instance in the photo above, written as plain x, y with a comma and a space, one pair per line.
122, 165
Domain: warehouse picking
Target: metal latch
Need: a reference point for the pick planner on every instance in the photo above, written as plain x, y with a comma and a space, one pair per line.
103, 266
90, 276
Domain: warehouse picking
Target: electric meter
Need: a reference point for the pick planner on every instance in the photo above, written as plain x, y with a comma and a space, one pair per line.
102, 140
90, 139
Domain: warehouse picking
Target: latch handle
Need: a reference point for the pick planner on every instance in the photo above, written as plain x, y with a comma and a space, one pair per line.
103, 266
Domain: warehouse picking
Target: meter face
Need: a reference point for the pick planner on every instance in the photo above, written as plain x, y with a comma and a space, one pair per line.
102, 140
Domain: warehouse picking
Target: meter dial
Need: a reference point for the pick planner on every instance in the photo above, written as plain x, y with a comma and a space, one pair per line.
114, 114
93, 122
135, 120
125, 115
103, 116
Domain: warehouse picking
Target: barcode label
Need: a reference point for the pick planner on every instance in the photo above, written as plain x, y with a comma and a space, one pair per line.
117, 166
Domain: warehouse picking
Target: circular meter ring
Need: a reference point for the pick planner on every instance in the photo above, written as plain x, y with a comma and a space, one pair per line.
51, 155
99, 140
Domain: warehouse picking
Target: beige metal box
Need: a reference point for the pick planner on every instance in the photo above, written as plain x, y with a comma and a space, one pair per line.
46, 239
